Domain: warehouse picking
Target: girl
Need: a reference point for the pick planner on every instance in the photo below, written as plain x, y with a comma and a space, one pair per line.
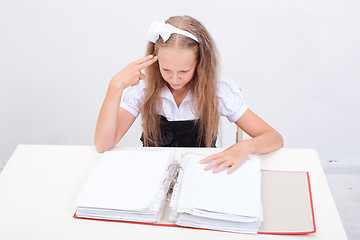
181, 98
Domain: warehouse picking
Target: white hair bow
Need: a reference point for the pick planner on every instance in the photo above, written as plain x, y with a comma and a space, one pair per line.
160, 28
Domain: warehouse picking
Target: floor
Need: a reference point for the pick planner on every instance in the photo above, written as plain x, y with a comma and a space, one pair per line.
344, 181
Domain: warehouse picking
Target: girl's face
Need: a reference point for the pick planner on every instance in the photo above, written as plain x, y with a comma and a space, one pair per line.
177, 66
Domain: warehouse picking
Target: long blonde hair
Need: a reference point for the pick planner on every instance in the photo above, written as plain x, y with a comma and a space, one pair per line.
203, 84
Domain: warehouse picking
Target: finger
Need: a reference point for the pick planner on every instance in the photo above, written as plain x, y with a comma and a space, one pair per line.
141, 76
210, 158
213, 164
136, 83
222, 166
144, 59
148, 62
233, 167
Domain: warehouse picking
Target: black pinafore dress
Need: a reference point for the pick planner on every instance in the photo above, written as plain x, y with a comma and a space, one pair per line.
179, 134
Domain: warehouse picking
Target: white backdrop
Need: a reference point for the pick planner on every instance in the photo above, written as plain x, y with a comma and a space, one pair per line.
298, 63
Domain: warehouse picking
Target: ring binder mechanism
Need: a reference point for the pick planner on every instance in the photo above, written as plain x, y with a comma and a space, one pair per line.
176, 165
172, 179
175, 192
150, 186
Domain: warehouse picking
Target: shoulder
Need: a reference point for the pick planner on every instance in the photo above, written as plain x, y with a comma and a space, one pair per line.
136, 89
226, 87
134, 93
230, 99
132, 98
226, 82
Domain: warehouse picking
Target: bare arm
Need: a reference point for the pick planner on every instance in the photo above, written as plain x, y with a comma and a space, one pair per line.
264, 139
113, 121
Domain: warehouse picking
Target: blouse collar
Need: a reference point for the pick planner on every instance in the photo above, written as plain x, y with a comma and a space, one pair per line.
166, 93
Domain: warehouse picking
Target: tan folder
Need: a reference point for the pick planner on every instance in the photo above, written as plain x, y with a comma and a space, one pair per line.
287, 203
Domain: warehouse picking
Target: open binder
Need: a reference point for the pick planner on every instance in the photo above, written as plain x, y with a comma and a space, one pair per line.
151, 187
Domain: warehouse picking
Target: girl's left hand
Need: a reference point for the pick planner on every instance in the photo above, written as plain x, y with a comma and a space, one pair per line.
231, 158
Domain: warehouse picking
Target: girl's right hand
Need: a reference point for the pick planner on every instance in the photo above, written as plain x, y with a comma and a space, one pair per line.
132, 74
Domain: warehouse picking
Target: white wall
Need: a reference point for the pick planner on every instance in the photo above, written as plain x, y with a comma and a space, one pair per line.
298, 63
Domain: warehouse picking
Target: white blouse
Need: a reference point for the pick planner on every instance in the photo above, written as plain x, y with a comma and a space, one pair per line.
230, 102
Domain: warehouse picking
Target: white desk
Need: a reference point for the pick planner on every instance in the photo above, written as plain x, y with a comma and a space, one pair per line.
40, 184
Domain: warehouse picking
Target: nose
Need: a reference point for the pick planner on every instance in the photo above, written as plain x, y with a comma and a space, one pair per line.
176, 78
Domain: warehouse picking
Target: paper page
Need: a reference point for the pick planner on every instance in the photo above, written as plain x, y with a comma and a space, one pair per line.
236, 194
126, 180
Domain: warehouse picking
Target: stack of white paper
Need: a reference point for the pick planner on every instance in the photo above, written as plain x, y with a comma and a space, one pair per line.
127, 186
219, 201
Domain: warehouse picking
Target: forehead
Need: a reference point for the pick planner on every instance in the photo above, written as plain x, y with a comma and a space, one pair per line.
176, 58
